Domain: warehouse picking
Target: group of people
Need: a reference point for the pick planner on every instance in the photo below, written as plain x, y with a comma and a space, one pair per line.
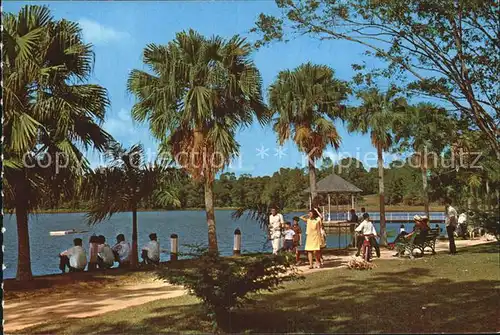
289, 235
103, 256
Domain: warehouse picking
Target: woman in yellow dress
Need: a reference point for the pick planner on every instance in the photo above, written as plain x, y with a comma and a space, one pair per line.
313, 239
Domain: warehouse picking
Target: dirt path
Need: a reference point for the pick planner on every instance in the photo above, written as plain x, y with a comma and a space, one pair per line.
332, 262
22, 313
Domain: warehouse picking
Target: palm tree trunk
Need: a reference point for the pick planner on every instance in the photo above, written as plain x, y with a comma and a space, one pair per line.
425, 190
380, 161
488, 202
312, 180
210, 211
135, 254
23, 245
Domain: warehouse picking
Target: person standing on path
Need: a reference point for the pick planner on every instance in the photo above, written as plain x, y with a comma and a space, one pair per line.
297, 238
313, 238
450, 215
276, 223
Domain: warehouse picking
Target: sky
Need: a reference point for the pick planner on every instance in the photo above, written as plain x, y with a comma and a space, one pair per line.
119, 31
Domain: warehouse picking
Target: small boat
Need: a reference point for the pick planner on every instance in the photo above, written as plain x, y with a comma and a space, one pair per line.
67, 232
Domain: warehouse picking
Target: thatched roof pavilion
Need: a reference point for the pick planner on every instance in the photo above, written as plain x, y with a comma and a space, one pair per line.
336, 185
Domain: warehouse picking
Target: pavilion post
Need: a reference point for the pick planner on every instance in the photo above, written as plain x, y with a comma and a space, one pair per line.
329, 208
310, 201
353, 202
337, 202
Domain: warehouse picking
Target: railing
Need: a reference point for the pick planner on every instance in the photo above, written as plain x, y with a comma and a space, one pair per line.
390, 216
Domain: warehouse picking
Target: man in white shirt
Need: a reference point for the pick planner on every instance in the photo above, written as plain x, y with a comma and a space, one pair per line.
122, 251
276, 223
366, 227
451, 215
74, 258
151, 251
461, 225
105, 255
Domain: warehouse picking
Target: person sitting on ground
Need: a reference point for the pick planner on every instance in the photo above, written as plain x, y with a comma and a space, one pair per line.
105, 255
75, 258
289, 233
93, 247
366, 228
151, 251
297, 238
354, 217
122, 251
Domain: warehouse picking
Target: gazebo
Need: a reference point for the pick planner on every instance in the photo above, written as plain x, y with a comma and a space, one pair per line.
335, 185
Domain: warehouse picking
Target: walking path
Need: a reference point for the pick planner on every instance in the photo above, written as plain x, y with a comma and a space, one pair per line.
23, 313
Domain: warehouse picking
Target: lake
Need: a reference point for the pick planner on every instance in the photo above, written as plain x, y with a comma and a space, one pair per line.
190, 226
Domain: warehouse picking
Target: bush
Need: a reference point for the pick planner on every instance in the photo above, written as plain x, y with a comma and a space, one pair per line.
225, 283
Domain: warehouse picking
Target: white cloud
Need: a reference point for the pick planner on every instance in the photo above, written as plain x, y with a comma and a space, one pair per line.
124, 115
96, 33
120, 124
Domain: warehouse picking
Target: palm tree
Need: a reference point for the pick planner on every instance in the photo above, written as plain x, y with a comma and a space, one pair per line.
124, 185
306, 100
378, 115
50, 113
427, 131
198, 93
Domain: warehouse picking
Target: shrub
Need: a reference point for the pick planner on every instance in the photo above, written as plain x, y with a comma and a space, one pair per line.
225, 283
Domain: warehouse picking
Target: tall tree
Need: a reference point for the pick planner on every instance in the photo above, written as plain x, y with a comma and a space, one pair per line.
198, 93
124, 185
377, 115
427, 131
51, 114
448, 51
305, 101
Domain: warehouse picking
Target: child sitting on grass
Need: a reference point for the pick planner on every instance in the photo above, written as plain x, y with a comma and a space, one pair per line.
289, 234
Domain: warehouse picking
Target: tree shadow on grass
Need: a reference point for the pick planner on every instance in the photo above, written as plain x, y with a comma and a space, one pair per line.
389, 303
397, 297
487, 248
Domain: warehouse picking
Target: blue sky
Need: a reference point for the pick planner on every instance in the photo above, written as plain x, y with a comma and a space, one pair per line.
120, 30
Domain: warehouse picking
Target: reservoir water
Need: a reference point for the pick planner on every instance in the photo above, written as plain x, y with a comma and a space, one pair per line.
190, 226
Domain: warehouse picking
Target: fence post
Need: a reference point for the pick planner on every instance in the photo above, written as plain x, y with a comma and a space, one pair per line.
237, 242
174, 247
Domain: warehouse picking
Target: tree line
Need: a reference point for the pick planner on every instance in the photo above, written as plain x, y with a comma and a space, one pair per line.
196, 93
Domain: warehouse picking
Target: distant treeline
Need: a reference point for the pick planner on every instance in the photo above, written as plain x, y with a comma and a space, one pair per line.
286, 186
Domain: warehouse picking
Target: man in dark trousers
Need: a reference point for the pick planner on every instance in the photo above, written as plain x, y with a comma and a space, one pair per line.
450, 215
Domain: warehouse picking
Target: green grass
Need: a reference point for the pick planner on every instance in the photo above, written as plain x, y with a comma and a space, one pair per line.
439, 293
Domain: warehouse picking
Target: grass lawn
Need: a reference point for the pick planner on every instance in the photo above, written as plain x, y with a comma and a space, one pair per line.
439, 293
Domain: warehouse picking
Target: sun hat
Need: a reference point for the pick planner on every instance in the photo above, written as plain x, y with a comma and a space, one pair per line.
417, 218
424, 217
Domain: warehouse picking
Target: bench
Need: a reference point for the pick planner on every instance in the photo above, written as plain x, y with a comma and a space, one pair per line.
418, 241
